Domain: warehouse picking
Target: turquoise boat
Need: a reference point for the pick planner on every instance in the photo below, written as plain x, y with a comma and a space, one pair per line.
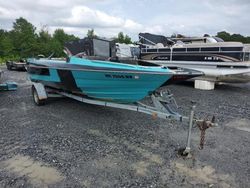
101, 80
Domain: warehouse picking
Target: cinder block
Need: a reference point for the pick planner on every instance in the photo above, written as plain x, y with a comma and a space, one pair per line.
204, 85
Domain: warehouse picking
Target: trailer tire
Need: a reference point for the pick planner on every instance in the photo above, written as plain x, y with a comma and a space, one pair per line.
37, 101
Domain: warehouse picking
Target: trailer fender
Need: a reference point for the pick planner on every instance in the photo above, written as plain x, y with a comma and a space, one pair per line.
40, 90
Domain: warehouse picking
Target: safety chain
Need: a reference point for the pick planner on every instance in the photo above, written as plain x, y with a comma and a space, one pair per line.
203, 126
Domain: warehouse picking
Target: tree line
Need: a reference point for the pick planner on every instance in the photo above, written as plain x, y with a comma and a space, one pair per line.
233, 37
23, 40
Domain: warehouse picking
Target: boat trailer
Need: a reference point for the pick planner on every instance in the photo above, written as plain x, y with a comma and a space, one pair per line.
164, 106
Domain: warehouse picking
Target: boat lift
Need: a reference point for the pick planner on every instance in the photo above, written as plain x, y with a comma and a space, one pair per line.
164, 107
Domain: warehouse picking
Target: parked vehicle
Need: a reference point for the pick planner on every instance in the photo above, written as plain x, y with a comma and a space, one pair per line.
16, 65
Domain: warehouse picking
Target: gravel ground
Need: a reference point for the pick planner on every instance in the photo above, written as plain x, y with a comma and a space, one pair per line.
70, 144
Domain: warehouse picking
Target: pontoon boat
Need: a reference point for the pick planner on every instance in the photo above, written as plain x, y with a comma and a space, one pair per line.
220, 61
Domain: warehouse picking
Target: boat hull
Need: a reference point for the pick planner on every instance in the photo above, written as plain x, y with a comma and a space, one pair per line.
230, 72
179, 74
121, 84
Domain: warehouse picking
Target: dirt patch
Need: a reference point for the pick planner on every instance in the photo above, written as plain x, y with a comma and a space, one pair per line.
154, 158
200, 174
86, 183
240, 124
108, 162
38, 173
141, 168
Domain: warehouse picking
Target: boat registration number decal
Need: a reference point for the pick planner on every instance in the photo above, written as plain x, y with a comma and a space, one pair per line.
118, 76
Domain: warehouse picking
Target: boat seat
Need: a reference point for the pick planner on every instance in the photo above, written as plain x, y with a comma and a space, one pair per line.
159, 45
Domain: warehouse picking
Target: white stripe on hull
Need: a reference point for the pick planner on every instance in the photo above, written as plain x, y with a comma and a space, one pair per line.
233, 72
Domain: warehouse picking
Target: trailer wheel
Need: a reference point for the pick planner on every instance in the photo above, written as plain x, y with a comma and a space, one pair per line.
37, 101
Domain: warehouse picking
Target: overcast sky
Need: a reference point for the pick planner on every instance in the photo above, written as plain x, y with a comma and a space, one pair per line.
108, 17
